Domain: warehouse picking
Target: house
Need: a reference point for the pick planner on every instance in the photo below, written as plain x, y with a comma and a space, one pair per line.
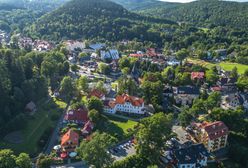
109, 54
31, 108
185, 95
227, 85
192, 156
97, 93
72, 45
79, 116
126, 104
231, 101
197, 75
213, 135
69, 141
88, 128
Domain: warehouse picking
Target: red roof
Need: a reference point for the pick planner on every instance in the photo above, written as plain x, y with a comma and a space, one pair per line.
70, 136
215, 130
136, 55
216, 88
63, 155
79, 116
97, 93
197, 75
135, 101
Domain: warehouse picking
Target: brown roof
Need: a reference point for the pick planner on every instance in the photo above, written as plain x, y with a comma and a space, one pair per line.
215, 129
135, 101
97, 93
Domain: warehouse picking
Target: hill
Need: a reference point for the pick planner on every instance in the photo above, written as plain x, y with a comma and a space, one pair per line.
143, 4
206, 13
92, 19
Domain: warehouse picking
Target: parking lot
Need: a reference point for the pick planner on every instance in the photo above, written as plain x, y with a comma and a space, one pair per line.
123, 150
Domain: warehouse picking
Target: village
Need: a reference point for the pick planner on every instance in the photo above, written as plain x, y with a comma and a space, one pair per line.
109, 71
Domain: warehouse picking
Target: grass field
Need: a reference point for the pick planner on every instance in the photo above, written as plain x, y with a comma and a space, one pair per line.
36, 126
228, 66
119, 127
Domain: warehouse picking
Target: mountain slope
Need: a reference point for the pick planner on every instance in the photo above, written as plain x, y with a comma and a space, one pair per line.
143, 4
206, 13
92, 19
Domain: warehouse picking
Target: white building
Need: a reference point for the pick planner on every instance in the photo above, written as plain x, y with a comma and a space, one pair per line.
212, 135
125, 103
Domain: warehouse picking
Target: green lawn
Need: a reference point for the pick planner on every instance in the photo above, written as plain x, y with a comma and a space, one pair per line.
228, 66
36, 126
119, 127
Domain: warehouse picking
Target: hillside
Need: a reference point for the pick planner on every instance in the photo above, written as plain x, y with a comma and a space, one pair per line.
91, 19
206, 13
143, 4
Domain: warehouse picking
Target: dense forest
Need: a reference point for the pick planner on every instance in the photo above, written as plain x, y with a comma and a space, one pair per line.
205, 13
143, 4
95, 18
25, 77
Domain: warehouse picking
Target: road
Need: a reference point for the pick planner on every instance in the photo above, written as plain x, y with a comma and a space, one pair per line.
54, 138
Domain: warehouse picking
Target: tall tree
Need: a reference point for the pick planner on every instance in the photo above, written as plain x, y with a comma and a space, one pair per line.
67, 87
94, 152
152, 134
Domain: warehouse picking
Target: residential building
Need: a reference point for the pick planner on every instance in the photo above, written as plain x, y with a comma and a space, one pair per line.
185, 95
109, 54
192, 156
79, 116
197, 75
213, 135
231, 101
126, 104
69, 141
97, 93
227, 85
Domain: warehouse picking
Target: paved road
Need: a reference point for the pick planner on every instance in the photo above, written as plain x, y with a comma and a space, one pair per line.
54, 138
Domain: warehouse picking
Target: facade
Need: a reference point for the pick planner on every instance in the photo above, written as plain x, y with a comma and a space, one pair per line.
231, 101
185, 95
69, 141
212, 135
88, 128
126, 104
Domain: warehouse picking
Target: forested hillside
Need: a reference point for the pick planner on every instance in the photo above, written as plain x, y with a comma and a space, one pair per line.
95, 18
206, 13
143, 4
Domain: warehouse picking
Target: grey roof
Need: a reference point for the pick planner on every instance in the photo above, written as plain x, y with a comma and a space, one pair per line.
191, 154
188, 90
